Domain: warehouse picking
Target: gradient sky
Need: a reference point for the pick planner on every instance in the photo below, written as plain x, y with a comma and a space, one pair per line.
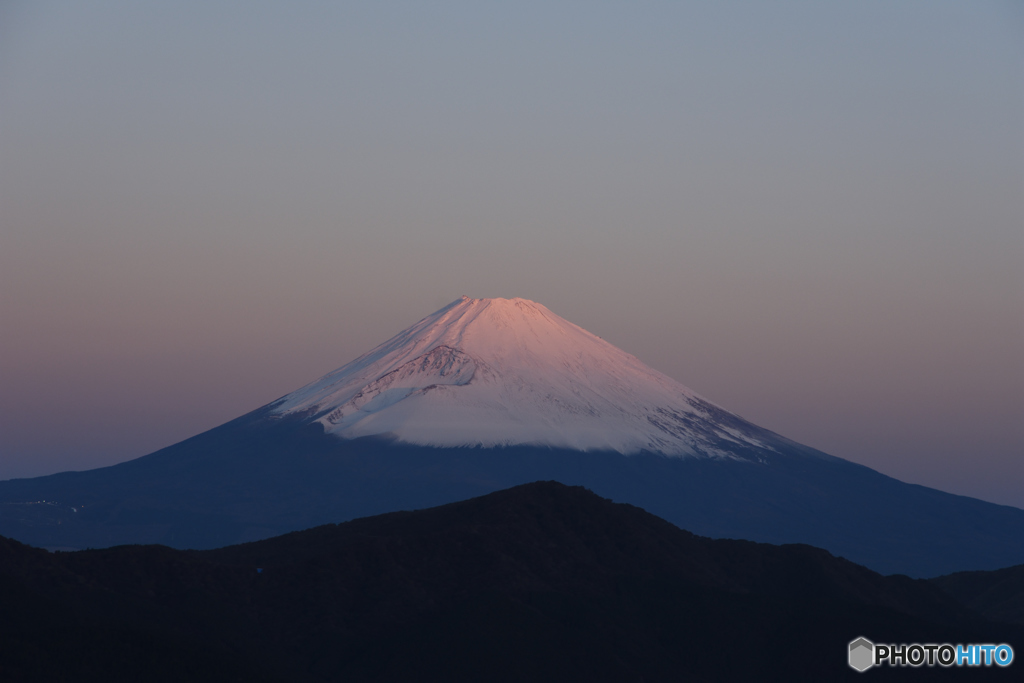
811, 213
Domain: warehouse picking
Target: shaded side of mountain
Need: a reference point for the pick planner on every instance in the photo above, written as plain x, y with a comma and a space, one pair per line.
541, 581
258, 477
61, 625
999, 595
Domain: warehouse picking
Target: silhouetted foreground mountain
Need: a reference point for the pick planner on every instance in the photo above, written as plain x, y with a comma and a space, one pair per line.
541, 582
999, 595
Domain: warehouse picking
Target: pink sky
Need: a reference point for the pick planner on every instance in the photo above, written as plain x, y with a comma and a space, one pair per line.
810, 215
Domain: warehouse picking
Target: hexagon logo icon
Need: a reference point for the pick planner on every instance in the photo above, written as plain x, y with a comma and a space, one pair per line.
862, 654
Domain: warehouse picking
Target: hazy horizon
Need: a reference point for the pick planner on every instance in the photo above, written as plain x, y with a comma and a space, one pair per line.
810, 214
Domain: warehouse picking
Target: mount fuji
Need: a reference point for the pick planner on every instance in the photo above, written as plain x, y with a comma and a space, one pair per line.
485, 394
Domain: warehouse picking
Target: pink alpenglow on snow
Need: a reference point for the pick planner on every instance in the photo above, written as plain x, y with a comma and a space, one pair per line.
501, 372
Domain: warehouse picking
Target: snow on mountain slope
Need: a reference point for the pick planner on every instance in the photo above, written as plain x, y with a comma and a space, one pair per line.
494, 372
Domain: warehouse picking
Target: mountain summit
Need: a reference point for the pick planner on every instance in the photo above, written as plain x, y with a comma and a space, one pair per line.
502, 372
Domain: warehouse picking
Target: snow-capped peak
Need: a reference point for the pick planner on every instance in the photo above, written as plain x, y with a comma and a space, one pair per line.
498, 372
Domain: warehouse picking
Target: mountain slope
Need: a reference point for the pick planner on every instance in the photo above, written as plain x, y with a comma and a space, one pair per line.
540, 582
999, 595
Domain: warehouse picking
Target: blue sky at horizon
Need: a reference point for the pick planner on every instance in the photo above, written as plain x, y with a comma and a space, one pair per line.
810, 213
